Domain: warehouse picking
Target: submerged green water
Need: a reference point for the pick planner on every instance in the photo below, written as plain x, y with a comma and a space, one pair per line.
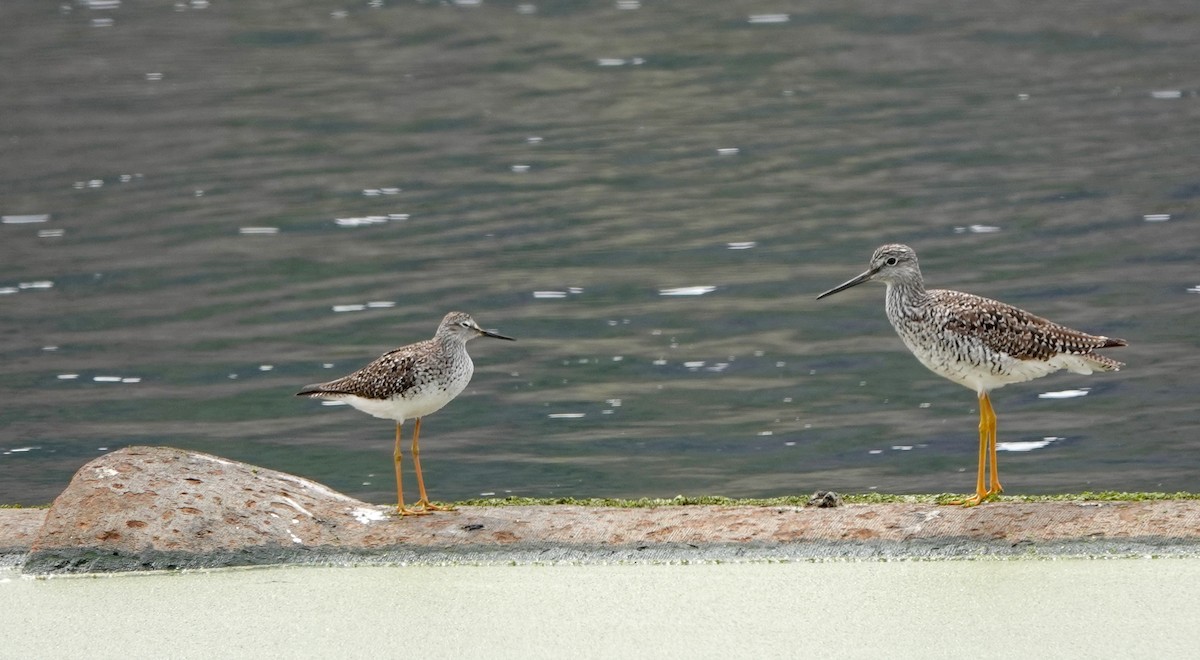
648, 198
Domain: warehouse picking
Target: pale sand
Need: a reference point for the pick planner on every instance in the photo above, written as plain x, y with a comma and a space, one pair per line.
1060, 608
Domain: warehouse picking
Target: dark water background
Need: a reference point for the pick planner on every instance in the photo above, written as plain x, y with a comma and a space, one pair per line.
186, 165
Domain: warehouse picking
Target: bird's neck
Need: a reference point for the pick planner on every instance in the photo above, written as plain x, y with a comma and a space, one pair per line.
903, 296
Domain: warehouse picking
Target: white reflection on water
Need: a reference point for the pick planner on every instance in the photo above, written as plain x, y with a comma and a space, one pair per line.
1026, 445
365, 220
1156, 217
1167, 94
552, 294
743, 245
1064, 394
619, 61
258, 230
104, 379
566, 415
687, 291
759, 19
24, 219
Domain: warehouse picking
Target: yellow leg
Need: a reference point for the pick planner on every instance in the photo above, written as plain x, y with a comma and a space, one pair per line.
995, 488
398, 460
987, 446
424, 503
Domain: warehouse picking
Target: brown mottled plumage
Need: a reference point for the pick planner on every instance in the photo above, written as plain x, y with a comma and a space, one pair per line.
1012, 330
977, 342
411, 382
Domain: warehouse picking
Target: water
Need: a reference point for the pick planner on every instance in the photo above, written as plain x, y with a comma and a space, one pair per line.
1126, 608
208, 206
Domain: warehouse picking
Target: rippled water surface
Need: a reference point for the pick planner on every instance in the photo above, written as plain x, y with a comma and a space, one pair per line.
209, 205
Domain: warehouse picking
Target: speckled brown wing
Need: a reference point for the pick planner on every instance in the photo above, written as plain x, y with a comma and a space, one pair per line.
1025, 336
392, 374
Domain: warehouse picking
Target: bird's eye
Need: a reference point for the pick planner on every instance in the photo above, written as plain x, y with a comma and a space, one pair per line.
464, 324
891, 261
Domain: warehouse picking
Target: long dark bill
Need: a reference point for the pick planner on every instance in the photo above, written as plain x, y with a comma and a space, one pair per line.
849, 283
488, 333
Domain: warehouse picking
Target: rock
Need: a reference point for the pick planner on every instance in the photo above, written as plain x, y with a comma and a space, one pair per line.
825, 499
160, 508
163, 508
18, 528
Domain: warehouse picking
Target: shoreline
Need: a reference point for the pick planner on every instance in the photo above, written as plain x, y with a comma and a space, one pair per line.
550, 534
159, 508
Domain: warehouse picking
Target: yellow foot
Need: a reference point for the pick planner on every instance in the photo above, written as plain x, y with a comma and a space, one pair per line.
405, 511
428, 507
975, 500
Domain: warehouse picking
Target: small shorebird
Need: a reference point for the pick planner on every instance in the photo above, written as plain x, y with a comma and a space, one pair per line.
976, 342
408, 383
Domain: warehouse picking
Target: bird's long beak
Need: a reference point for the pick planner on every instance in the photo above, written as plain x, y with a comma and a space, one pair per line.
865, 276
488, 333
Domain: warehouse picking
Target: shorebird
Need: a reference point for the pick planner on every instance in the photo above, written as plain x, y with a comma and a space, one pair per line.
976, 342
411, 382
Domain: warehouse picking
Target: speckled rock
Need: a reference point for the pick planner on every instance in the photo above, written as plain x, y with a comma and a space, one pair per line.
162, 508
159, 508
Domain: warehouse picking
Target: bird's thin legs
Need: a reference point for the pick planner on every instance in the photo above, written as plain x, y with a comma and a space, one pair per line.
424, 503
398, 460
987, 453
996, 488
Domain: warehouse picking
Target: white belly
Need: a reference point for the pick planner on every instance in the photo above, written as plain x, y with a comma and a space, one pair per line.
418, 404
972, 365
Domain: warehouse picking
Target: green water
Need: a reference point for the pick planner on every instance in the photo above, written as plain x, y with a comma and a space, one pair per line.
1029, 154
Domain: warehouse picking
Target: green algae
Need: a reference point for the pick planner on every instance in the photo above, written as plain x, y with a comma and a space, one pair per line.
801, 500
789, 500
